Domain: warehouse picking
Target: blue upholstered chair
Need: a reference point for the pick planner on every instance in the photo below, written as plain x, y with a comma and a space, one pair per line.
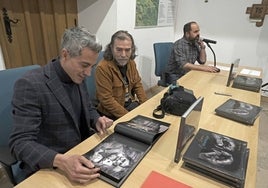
162, 51
7, 79
90, 82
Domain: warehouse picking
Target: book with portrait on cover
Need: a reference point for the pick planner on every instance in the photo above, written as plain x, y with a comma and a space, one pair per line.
219, 157
247, 83
239, 111
119, 153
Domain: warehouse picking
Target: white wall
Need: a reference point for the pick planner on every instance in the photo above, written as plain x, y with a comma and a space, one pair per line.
121, 16
224, 21
2, 64
227, 23
99, 16
144, 39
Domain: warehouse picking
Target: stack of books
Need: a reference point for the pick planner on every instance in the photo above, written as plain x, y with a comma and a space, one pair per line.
247, 83
218, 156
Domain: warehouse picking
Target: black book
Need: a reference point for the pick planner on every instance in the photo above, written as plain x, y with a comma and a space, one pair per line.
239, 111
219, 157
247, 83
119, 153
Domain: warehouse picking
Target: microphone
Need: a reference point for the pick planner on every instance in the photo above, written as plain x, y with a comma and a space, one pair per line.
209, 41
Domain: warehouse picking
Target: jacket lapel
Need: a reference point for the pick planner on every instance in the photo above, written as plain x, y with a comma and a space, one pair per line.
59, 92
83, 98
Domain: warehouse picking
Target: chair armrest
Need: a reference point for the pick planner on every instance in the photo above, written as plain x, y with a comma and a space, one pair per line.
6, 157
4, 178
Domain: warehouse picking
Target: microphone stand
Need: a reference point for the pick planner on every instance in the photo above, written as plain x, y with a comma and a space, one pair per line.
213, 53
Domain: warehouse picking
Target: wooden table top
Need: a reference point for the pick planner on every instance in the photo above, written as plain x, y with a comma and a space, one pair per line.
161, 156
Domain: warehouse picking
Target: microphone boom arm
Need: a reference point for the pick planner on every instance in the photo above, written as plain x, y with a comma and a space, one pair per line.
213, 53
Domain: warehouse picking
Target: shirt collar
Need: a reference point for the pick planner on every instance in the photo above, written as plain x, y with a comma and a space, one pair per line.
63, 76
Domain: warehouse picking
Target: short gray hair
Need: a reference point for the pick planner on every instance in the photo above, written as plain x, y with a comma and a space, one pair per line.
77, 38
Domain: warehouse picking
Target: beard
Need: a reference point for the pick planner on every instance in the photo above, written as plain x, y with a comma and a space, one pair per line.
195, 39
121, 62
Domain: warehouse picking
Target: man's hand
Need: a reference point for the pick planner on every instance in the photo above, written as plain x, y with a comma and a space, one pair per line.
103, 123
209, 68
201, 44
206, 68
77, 168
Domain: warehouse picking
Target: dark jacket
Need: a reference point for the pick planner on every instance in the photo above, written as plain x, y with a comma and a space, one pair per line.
44, 120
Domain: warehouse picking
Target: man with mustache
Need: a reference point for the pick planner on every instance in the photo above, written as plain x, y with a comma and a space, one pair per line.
186, 51
118, 84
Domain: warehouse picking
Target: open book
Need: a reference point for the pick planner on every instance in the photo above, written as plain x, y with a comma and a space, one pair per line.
120, 152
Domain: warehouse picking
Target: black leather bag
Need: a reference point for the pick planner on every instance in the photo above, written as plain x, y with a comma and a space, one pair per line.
175, 101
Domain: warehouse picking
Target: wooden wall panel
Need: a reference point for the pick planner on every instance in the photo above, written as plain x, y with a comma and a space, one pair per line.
36, 37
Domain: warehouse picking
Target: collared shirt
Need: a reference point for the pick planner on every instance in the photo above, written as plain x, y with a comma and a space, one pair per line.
123, 71
183, 52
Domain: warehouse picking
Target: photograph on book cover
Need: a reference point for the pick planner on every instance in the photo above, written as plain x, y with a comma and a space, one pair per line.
114, 158
247, 83
219, 154
217, 150
239, 111
147, 125
144, 129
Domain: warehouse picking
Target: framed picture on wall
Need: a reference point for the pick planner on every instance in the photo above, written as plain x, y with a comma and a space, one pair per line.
155, 13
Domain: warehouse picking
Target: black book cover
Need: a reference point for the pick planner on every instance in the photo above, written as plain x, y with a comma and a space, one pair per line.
119, 153
239, 111
247, 83
219, 157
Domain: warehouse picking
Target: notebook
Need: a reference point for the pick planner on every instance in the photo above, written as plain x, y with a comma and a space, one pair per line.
239, 111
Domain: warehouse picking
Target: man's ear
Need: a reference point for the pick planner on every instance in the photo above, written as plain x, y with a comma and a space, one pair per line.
64, 53
187, 34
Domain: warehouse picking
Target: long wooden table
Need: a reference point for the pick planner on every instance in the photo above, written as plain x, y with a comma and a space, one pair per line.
161, 156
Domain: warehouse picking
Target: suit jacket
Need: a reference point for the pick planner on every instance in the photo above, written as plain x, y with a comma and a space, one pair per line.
44, 120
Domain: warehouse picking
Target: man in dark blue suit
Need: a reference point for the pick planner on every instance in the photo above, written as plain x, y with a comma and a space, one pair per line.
52, 111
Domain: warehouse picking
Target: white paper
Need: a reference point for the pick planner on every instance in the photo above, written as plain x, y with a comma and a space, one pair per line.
250, 72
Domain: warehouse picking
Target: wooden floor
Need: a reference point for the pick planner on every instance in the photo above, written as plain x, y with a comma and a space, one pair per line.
262, 169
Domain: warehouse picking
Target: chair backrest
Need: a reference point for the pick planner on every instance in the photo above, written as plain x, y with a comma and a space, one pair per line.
90, 81
7, 79
162, 51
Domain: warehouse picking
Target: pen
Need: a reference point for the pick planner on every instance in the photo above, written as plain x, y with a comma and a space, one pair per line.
224, 94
